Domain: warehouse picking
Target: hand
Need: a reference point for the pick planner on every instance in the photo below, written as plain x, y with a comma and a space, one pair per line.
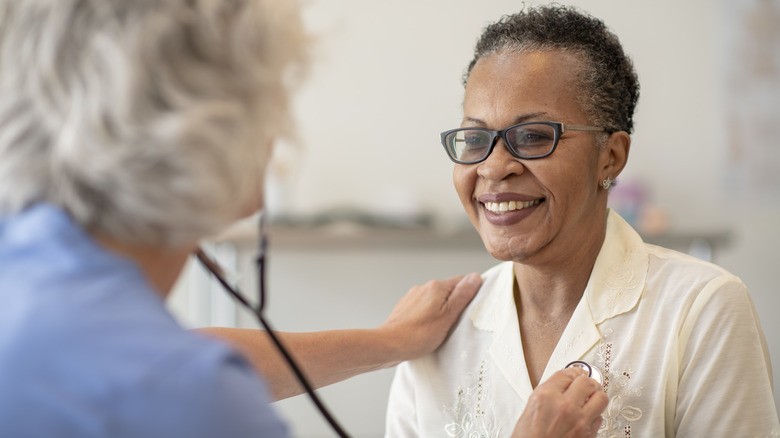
423, 317
568, 405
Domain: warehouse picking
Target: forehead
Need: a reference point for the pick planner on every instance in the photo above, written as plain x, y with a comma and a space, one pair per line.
508, 85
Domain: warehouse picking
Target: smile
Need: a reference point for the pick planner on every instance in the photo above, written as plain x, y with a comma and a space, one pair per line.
505, 207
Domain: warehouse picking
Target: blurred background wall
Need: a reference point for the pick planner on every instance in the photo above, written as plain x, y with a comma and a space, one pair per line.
364, 208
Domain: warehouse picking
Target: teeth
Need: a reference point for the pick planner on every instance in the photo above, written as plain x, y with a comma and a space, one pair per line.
503, 207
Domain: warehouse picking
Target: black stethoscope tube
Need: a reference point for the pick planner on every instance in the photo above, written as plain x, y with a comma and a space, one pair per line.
218, 273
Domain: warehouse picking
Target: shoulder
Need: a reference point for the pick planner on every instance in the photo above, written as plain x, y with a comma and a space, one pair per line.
658, 273
102, 352
708, 300
201, 388
683, 276
125, 379
671, 261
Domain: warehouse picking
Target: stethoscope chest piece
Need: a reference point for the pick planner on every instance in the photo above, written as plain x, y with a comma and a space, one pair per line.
592, 371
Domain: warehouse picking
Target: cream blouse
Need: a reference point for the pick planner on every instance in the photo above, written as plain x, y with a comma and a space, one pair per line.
677, 340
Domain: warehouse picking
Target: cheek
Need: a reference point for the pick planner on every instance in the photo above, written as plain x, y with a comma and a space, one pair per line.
571, 183
464, 182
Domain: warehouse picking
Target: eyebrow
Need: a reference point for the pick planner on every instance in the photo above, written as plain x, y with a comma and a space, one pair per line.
519, 119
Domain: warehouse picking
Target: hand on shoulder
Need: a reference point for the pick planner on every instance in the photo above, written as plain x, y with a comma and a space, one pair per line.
424, 316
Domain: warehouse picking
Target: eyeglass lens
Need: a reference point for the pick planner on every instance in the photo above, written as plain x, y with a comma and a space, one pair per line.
531, 140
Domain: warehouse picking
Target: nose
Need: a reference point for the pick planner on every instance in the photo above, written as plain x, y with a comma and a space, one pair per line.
500, 163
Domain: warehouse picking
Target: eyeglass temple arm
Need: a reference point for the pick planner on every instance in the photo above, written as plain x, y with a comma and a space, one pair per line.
565, 128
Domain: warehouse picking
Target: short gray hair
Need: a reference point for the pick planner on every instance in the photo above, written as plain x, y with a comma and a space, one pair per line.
609, 87
146, 120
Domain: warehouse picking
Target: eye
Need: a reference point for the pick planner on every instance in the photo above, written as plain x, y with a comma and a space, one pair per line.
477, 139
469, 144
531, 136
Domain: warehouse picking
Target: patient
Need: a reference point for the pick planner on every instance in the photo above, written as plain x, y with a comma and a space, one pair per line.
548, 109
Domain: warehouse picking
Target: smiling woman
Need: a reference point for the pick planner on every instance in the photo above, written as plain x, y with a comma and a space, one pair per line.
563, 190
577, 282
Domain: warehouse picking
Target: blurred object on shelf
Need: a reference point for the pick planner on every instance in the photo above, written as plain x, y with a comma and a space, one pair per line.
339, 216
631, 199
653, 221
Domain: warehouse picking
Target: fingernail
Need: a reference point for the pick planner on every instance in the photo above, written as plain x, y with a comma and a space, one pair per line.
474, 279
579, 371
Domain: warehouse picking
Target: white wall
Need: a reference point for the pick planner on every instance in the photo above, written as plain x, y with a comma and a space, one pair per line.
386, 81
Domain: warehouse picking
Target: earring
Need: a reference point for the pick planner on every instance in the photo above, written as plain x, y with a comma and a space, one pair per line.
606, 183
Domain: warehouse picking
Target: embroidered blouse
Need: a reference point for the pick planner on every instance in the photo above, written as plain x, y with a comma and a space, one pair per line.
677, 340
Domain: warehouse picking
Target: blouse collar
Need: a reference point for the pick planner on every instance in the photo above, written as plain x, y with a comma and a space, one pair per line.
615, 287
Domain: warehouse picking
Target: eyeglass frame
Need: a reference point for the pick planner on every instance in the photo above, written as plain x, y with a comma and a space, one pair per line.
558, 130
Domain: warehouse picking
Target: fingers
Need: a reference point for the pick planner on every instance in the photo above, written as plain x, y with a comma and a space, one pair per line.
421, 320
464, 291
583, 388
587, 392
446, 284
597, 402
561, 380
574, 382
579, 389
593, 429
568, 404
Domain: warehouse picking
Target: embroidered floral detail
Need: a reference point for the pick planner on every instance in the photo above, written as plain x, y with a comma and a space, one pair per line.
604, 357
621, 382
618, 386
471, 417
621, 279
572, 342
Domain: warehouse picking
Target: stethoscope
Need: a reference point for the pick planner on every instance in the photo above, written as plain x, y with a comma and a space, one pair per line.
216, 270
212, 266
592, 371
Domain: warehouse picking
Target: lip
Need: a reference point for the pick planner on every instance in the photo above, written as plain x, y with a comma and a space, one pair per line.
510, 217
506, 197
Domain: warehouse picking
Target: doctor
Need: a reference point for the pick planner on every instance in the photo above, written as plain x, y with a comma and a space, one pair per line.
129, 131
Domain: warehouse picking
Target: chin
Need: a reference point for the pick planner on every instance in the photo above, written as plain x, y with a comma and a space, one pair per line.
515, 249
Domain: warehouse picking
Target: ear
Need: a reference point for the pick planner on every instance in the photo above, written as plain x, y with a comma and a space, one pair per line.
614, 156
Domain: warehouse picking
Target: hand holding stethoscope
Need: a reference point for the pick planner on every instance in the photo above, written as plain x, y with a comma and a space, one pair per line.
565, 405
592, 371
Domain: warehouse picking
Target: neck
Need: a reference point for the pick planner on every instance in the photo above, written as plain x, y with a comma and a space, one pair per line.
550, 290
161, 266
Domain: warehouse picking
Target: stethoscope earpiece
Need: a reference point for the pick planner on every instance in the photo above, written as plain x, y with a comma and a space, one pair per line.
592, 371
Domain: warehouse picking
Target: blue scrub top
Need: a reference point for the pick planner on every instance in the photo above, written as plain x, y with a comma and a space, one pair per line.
88, 349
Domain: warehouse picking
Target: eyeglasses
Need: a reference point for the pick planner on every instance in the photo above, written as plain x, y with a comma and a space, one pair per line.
525, 140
